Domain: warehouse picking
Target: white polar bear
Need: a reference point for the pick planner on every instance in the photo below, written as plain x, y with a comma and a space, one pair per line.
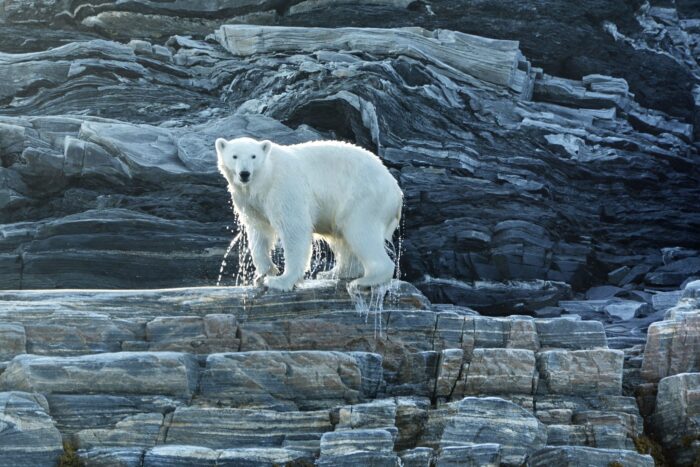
334, 190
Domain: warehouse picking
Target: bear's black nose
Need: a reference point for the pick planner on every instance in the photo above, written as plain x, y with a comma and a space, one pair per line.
244, 176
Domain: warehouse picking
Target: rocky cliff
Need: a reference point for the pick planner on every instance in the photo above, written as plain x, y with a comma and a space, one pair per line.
233, 376
549, 158
548, 152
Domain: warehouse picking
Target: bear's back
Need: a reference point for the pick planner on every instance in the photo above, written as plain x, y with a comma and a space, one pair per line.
338, 172
338, 158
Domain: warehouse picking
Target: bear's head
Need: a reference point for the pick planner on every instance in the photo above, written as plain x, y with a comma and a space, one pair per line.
240, 160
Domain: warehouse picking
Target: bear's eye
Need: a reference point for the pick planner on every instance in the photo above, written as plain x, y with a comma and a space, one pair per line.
235, 157
253, 156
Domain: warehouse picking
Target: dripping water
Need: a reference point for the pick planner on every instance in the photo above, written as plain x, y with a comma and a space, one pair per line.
233, 243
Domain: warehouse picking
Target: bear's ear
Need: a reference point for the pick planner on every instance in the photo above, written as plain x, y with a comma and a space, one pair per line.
220, 144
266, 146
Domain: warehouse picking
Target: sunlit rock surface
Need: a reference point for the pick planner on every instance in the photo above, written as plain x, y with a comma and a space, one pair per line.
197, 375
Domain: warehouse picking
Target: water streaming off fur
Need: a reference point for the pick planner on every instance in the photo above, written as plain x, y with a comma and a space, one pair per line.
378, 295
236, 239
245, 274
366, 302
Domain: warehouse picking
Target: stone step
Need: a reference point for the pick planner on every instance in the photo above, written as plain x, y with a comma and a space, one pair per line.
278, 379
321, 315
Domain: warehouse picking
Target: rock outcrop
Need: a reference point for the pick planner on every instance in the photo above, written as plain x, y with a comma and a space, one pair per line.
548, 155
265, 378
510, 173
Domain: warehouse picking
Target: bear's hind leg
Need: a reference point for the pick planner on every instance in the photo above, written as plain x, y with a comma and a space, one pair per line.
347, 265
367, 243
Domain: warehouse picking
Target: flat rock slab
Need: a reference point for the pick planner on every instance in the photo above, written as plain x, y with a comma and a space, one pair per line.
28, 435
580, 372
579, 456
158, 373
497, 298
500, 371
339, 443
186, 456
487, 420
112, 457
77, 412
477, 455
494, 61
246, 303
302, 380
221, 428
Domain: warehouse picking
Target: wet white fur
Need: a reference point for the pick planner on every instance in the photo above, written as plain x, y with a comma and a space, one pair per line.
331, 189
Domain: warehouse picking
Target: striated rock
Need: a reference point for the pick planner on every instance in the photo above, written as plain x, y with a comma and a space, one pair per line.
180, 455
475, 421
13, 340
500, 371
376, 414
675, 419
673, 346
371, 458
221, 428
580, 372
262, 457
136, 431
477, 455
417, 457
448, 372
497, 299
112, 457
674, 273
184, 455
358, 447
28, 435
339, 443
166, 373
411, 415
597, 428
267, 406
575, 456
245, 303
493, 61
283, 380
570, 333
102, 412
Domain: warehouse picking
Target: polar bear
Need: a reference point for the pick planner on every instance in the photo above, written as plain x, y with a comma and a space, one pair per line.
334, 190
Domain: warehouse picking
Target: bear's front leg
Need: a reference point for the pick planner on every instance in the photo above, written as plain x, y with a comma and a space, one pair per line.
296, 241
261, 240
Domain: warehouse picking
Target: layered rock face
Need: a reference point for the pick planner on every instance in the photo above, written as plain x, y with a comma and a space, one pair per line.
543, 147
226, 376
511, 172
